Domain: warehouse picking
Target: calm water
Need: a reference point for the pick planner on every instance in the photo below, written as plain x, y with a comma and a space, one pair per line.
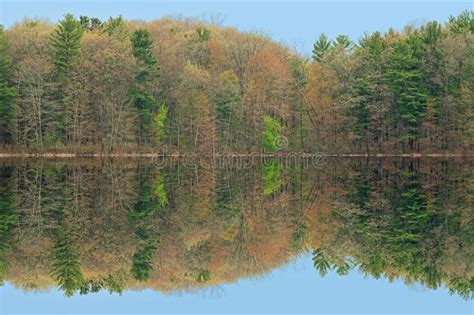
392, 235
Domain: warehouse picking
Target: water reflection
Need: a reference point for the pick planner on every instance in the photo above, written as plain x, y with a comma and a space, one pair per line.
90, 225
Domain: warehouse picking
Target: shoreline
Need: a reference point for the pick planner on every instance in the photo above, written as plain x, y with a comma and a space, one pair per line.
52, 155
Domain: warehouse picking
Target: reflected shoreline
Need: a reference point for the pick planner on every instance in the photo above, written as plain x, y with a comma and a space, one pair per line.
224, 155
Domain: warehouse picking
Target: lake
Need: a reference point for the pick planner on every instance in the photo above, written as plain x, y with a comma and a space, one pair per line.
264, 234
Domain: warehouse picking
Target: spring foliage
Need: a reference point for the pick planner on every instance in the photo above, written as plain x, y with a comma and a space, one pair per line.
113, 85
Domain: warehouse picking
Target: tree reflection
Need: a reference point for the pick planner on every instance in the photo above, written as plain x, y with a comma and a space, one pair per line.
89, 225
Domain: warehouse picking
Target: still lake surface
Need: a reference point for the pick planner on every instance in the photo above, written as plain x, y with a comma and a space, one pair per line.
268, 235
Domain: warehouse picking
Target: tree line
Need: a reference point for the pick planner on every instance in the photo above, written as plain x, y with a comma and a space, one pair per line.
87, 85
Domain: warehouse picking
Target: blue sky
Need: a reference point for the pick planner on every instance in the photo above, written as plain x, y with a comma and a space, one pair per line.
297, 23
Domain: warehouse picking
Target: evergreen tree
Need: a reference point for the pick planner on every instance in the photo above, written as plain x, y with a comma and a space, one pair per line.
406, 83
7, 91
90, 24
66, 43
368, 107
8, 219
116, 27
320, 47
439, 90
141, 218
321, 262
462, 23
143, 53
343, 41
149, 109
66, 267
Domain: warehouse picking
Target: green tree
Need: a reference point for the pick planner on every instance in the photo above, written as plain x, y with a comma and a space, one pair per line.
405, 81
90, 24
368, 107
271, 177
142, 261
7, 91
203, 34
143, 53
150, 111
66, 267
271, 134
116, 27
8, 218
343, 41
160, 120
320, 47
321, 262
141, 217
66, 44
462, 23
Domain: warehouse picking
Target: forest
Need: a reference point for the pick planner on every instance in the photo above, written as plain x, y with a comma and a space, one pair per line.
181, 85
124, 224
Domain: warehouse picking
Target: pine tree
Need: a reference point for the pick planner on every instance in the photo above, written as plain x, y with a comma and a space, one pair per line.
368, 108
66, 267
90, 24
141, 218
66, 43
116, 27
321, 262
7, 91
8, 219
462, 23
320, 47
343, 41
143, 53
150, 111
406, 83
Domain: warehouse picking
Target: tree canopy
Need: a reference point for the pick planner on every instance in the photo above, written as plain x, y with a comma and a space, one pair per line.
86, 85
